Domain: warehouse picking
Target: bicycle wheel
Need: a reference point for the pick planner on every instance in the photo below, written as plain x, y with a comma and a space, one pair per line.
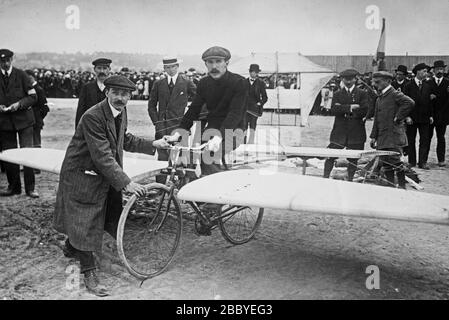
239, 224
149, 232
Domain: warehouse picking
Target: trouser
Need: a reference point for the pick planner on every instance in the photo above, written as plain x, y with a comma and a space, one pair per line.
251, 122
352, 166
37, 137
2, 164
9, 141
441, 141
424, 132
392, 164
87, 260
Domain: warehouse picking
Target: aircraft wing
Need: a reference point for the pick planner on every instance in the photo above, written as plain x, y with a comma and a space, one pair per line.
137, 168
309, 152
275, 190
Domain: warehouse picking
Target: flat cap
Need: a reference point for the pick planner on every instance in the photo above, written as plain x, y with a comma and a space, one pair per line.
420, 66
382, 74
349, 73
216, 53
119, 82
102, 62
5, 53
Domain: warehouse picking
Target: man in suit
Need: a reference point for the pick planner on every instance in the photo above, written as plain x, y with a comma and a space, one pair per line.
401, 78
440, 100
17, 95
421, 116
93, 92
349, 106
389, 129
167, 103
89, 197
257, 97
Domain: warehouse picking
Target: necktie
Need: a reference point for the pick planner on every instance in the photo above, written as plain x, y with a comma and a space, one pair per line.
420, 85
171, 85
6, 79
118, 123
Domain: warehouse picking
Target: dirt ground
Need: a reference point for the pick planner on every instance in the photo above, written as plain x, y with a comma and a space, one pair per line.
293, 256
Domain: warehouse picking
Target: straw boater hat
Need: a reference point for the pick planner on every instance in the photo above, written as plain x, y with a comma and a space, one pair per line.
170, 60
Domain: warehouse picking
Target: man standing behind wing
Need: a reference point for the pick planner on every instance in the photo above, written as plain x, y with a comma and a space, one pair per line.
89, 198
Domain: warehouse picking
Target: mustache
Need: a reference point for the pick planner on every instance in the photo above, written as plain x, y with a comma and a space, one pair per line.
102, 74
215, 71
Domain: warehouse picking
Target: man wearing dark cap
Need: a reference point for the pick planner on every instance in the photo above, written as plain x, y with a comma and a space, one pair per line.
421, 116
17, 95
389, 129
225, 95
440, 100
401, 78
349, 106
89, 197
168, 102
257, 97
93, 92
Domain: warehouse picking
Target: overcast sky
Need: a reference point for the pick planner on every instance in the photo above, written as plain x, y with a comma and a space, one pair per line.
243, 26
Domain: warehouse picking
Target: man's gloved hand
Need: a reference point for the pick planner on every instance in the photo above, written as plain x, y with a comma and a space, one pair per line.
161, 143
14, 107
409, 121
373, 143
2, 108
214, 144
173, 138
353, 107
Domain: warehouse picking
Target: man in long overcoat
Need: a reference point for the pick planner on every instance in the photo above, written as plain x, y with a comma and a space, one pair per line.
89, 198
349, 106
389, 131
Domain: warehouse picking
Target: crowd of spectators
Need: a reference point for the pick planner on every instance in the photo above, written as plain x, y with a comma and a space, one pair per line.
68, 83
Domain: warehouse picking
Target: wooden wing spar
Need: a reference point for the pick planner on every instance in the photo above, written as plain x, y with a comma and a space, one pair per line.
276, 190
51, 160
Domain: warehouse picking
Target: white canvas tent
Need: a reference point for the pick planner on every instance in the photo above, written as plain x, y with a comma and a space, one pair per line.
312, 78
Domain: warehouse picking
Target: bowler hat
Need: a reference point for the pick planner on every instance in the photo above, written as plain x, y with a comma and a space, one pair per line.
349, 73
119, 82
420, 66
254, 67
217, 53
439, 64
402, 68
102, 62
5, 53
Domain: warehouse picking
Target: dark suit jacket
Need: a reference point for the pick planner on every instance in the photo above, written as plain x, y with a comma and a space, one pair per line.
400, 87
40, 108
165, 110
441, 103
81, 201
349, 127
257, 93
390, 105
423, 109
90, 95
19, 89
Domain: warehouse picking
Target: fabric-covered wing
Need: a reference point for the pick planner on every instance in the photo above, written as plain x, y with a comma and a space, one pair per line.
275, 190
51, 160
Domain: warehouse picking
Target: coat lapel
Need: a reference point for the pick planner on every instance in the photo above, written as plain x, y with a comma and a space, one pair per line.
177, 88
109, 118
12, 77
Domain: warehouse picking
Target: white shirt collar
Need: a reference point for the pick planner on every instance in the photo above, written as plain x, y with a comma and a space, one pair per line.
350, 89
8, 71
100, 85
400, 82
438, 80
418, 81
175, 77
386, 89
115, 112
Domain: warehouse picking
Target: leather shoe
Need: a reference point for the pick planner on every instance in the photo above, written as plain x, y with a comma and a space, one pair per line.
93, 284
441, 164
9, 193
69, 251
33, 194
424, 166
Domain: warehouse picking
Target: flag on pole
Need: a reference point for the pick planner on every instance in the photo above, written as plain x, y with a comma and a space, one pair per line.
379, 61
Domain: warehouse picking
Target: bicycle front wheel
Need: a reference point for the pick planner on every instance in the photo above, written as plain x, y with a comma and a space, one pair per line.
149, 232
239, 224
